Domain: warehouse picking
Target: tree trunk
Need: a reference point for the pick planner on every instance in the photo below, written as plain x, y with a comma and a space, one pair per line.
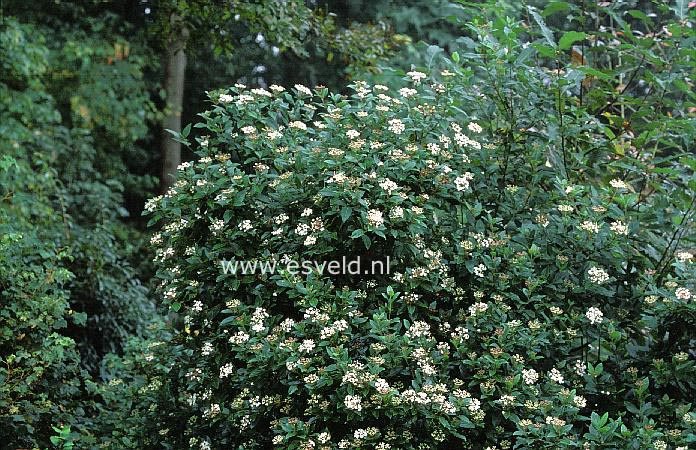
174, 87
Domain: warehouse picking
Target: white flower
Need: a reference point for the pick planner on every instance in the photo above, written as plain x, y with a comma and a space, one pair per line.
239, 338
375, 218
418, 329
683, 293
396, 126
225, 98
245, 225
281, 218
683, 257
207, 349
580, 368
480, 270
598, 275
297, 124
261, 92
579, 401
382, 386
152, 203
407, 92
388, 185
352, 134
660, 445
276, 88
478, 307
274, 134
307, 346
226, 370
396, 212
417, 77
556, 376
474, 405
462, 183
249, 129
530, 376
302, 229
619, 227
310, 240
303, 89
474, 127
618, 184
353, 402
594, 315
590, 226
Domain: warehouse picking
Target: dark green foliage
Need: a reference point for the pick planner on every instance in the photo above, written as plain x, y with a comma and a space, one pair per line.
580, 196
66, 281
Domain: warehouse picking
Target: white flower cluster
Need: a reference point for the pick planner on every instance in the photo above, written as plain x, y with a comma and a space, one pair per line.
594, 315
556, 376
207, 349
618, 184
619, 227
303, 89
388, 186
683, 293
257, 319
239, 338
336, 328
416, 77
245, 225
683, 257
462, 182
589, 226
307, 346
396, 126
375, 218
226, 370
478, 308
353, 402
418, 329
597, 275
530, 376
480, 270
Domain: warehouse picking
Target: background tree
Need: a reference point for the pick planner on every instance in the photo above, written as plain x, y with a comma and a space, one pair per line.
288, 25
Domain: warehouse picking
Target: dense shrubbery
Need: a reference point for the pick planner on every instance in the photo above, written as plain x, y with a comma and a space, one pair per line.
529, 297
535, 195
65, 282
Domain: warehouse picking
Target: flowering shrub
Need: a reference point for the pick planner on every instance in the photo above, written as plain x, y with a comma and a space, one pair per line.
524, 307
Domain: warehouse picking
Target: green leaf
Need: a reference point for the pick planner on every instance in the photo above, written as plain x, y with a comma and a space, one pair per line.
357, 234
548, 34
185, 132
455, 56
681, 9
554, 7
569, 38
346, 211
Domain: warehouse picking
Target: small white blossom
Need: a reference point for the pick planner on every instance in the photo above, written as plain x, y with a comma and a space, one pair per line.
597, 275
683, 293
396, 126
530, 376
462, 182
594, 315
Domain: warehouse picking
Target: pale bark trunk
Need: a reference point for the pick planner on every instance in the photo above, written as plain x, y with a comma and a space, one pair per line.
174, 87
